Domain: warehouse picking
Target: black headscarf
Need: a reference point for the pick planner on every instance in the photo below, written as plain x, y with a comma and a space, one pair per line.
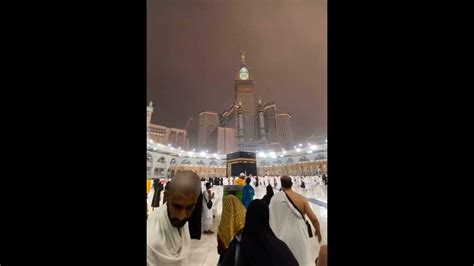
259, 245
195, 219
167, 188
158, 187
269, 195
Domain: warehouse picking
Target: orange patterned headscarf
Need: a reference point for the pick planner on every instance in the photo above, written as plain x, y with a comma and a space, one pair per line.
232, 219
239, 181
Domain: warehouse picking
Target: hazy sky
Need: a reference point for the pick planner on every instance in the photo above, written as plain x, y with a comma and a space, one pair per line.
193, 54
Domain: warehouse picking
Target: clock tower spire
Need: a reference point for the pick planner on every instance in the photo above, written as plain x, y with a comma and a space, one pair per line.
242, 58
244, 71
244, 93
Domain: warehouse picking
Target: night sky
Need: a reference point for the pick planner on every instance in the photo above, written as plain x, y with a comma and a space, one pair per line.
193, 55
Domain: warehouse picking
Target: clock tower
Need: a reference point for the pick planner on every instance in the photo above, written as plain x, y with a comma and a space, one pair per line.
244, 94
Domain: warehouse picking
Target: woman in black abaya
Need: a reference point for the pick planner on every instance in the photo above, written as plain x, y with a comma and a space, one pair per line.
269, 195
258, 245
195, 221
157, 188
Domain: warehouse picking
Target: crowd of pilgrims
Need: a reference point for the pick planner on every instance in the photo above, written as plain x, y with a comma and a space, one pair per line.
273, 181
274, 230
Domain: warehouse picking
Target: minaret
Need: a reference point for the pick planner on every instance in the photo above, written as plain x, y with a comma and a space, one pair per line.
261, 121
149, 113
240, 122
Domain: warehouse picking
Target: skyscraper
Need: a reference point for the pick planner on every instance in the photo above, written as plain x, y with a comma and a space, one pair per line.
208, 122
177, 138
271, 122
255, 126
159, 134
285, 133
164, 135
223, 140
229, 117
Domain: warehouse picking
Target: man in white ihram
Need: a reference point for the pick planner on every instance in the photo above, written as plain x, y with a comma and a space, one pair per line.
168, 238
287, 211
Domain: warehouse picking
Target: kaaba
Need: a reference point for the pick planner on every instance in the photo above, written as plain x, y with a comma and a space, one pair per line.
241, 162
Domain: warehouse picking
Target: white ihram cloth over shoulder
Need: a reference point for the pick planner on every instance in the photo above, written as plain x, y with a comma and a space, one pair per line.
165, 245
288, 225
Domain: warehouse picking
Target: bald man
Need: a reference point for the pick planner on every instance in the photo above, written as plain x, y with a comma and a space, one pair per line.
168, 238
287, 220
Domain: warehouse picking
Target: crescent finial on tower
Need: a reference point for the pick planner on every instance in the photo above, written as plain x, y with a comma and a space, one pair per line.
242, 57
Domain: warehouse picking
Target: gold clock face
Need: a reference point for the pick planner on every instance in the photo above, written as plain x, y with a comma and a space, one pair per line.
244, 76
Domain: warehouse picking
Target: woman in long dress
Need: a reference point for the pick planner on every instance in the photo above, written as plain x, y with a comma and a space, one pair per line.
208, 195
249, 193
269, 195
157, 188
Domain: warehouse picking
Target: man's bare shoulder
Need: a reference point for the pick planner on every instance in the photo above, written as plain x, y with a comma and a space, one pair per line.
298, 198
